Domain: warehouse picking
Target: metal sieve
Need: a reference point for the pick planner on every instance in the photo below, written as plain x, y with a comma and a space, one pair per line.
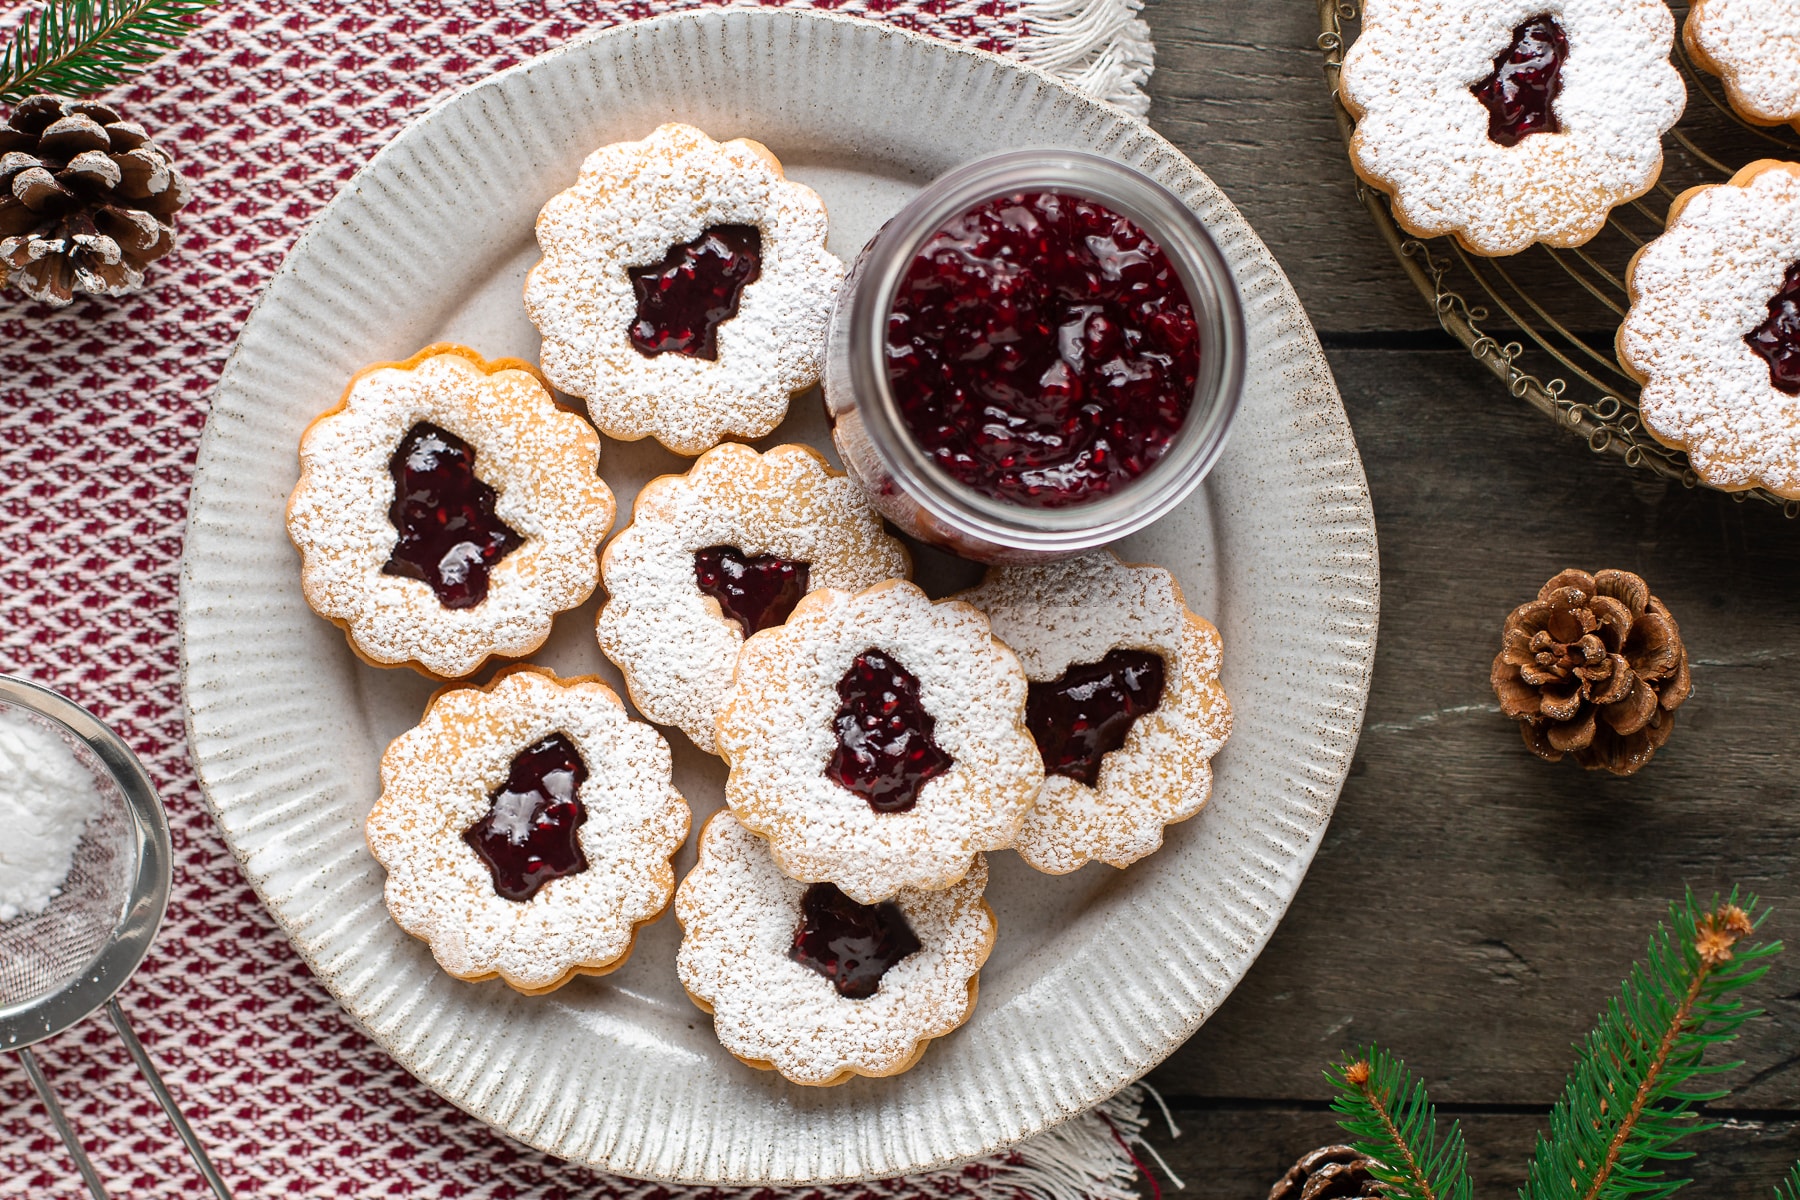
60, 966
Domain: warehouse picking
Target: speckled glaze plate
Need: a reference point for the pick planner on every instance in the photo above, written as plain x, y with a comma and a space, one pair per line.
1096, 976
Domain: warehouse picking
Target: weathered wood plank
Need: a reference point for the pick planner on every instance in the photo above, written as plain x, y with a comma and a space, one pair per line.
1472, 907
1235, 1154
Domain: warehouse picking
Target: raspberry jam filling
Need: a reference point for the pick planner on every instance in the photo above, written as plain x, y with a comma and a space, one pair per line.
682, 300
885, 750
528, 837
1777, 340
1521, 92
1084, 715
449, 535
851, 944
758, 593
1042, 350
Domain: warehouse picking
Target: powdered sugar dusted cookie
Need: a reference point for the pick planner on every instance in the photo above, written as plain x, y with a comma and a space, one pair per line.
878, 741
1125, 704
447, 510
723, 552
526, 828
1713, 332
685, 289
801, 979
1754, 46
1508, 122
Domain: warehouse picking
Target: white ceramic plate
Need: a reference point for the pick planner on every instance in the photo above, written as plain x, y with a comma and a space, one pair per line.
1096, 976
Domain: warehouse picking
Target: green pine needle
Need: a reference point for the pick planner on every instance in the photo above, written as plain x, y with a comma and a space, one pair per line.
1389, 1118
78, 47
1642, 1070
1789, 1188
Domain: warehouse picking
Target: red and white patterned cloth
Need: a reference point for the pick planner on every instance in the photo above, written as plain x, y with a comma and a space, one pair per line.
270, 106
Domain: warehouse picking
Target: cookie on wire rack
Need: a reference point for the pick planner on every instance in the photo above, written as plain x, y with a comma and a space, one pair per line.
1754, 46
1511, 123
1713, 332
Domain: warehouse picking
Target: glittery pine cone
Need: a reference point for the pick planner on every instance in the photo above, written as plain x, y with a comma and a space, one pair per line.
1593, 667
1328, 1173
87, 200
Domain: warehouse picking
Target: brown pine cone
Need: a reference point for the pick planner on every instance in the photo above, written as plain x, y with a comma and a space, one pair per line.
87, 200
1593, 667
1328, 1173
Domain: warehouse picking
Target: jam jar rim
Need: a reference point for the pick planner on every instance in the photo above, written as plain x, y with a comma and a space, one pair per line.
1212, 291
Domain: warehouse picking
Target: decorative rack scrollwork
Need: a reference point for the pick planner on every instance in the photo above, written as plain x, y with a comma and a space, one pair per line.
1566, 305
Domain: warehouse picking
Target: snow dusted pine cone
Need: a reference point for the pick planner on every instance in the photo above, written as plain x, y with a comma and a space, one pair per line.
1593, 667
1328, 1173
87, 200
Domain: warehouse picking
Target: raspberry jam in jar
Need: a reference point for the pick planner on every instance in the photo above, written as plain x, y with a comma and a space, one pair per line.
1039, 355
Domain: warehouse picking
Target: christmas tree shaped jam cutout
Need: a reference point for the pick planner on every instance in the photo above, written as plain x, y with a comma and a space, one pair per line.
449, 535
1521, 92
851, 944
529, 835
886, 752
1777, 340
682, 300
1086, 713
758, 593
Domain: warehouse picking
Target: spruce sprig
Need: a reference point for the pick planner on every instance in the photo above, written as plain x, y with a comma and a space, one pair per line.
1384, 1109
1642, 1070
1631, 1097
77, 47
1789, 1188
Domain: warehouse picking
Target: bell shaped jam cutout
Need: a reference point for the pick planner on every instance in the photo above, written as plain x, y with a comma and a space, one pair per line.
758, 593
1521, 92
1043, 350
1086, 714
529, 835
449, 535
682, 300
1777, 340
885, 748
851, 944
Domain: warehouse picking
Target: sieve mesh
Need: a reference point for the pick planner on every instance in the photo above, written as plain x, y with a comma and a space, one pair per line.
41, 952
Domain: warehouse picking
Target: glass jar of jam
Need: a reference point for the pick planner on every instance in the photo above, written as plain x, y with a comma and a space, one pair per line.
1041, 354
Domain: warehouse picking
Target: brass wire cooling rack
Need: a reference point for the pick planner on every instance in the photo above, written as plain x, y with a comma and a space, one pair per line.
1554, 313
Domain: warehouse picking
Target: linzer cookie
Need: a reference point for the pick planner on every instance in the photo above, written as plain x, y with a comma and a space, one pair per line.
526, 828
447, 510
1713, 332
878, 741
1754, 46
1511, 123
801, 979
1125, 704
685, 289
723, 552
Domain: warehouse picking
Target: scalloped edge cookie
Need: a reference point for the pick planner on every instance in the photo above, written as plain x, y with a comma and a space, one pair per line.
674, 645
775, 1014
437, 782
1753, 46
1077, 610
541, 460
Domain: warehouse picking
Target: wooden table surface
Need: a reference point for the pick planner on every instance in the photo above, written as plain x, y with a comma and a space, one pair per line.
1472, 907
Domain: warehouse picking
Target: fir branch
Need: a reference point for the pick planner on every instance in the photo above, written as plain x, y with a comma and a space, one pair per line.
1390, 1119
1641, 1072
78, 47
1789, 1188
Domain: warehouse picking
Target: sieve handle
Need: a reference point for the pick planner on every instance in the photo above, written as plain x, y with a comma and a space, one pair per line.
147, 1069
61, 1121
